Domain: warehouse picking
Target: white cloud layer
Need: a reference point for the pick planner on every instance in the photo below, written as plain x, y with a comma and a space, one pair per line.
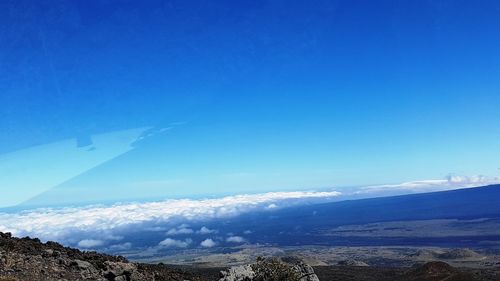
91, 227
69, 225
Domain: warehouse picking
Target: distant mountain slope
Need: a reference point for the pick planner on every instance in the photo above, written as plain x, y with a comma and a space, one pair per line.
304, 225
461, 203
467, 203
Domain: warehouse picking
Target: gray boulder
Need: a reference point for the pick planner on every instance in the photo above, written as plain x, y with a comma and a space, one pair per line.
271, 269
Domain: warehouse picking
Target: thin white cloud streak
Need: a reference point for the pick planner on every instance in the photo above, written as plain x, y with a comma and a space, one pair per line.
96, 222
449, 183
90, 243
235, 239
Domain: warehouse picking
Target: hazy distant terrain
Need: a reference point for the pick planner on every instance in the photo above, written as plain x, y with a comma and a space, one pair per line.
382, 256
391, 231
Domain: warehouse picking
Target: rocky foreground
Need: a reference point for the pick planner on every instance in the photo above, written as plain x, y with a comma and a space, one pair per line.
27, 259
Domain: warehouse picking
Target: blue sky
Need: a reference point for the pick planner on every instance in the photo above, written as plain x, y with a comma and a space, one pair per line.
256, 95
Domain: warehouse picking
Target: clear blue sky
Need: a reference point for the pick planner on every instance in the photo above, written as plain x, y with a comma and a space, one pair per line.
262, 95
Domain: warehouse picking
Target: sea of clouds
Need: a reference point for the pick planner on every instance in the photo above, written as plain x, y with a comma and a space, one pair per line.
183, 223
98, 226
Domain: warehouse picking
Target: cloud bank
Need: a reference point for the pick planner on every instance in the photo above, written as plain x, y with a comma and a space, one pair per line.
100, 226
94, 226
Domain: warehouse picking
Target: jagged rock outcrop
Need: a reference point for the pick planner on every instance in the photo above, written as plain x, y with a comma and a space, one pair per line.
28, 259
271, 269
238, 273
